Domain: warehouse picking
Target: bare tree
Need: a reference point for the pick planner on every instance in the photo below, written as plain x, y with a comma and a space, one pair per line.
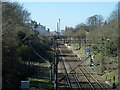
95, 21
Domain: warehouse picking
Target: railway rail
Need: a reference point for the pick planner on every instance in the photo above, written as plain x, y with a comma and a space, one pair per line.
93, 82
76, 74
71, 78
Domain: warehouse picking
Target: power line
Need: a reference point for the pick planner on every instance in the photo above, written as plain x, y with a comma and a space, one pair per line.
37, 53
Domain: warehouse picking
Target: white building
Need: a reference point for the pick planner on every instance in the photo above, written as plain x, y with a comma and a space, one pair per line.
42, 29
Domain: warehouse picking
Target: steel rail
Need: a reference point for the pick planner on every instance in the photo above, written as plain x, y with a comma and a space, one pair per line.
66, 74
75, 76
91, 76
95, 79
87, 77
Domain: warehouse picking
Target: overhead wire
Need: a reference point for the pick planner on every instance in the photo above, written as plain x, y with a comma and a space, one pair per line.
37, 53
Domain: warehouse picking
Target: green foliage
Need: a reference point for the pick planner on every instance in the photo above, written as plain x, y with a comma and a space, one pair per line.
103, 36
95, 49
78, 32
16, 47
95, 21
33, 25
24, 51
36, 32
21, 35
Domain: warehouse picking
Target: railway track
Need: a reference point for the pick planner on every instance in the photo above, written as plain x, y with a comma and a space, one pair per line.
71, 78
77, 76
93, 82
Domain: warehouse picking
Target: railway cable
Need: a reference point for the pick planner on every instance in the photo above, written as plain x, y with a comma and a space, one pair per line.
37, 53
39, 56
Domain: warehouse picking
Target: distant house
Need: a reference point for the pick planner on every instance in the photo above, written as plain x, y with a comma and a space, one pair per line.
43, 30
